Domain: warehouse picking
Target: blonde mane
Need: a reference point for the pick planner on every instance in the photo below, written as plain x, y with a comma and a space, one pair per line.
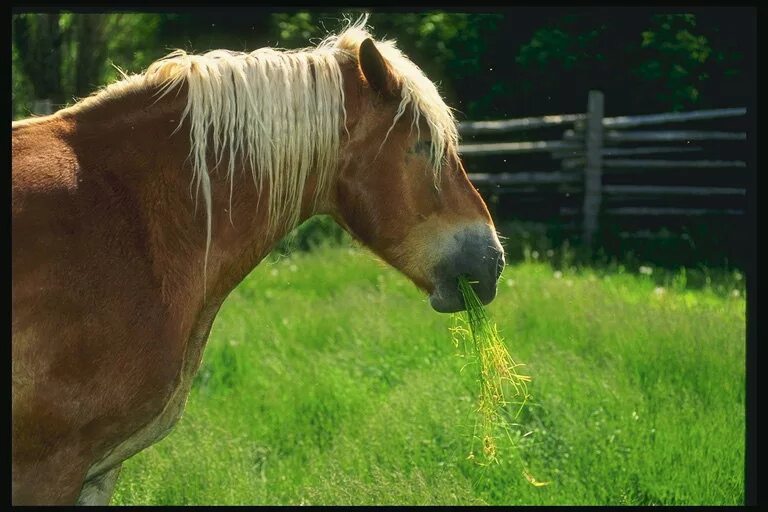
282, 112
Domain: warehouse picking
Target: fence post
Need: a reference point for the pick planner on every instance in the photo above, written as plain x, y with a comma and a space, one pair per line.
594, 166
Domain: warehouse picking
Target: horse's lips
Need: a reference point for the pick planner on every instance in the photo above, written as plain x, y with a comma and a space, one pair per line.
444, 299
447, 299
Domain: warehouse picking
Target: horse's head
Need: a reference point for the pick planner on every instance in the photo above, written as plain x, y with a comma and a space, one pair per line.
402, 189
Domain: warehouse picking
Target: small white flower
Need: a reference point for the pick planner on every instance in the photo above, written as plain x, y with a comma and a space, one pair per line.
550, 253
646, 270
558, 274
659, 290
735, 293
535, 255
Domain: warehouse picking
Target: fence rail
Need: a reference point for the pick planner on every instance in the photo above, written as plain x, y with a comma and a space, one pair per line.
510, 125
676, 190
687, 164
525, 178
672, 117
516, 147
592, 144
659, 136
528, 123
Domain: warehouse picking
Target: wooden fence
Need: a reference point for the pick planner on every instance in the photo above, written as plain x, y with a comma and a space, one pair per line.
593, 147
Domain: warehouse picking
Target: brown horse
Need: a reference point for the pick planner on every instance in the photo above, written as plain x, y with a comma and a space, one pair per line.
118, 273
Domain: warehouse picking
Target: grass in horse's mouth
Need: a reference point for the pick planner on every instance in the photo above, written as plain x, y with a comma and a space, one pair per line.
503, 391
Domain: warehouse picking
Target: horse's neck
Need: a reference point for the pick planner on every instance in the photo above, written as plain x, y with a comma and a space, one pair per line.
133, 143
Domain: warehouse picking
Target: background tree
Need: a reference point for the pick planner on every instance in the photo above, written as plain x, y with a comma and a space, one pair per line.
88, 31
38, 41
58, 58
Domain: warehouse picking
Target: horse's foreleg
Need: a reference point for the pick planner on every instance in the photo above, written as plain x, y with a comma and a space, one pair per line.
98, 489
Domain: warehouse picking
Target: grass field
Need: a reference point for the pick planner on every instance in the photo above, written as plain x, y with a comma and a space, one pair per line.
329, 380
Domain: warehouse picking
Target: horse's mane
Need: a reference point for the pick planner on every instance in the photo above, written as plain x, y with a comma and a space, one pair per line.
282, 112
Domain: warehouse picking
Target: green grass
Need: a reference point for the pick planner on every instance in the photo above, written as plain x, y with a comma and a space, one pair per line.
328, 379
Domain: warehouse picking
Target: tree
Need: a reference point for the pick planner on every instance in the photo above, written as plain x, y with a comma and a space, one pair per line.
58, 58
38, 40
89, 34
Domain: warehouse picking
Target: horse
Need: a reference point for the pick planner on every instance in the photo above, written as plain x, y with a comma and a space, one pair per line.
138, 209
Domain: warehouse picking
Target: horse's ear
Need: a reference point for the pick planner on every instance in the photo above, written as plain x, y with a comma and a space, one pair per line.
376, 70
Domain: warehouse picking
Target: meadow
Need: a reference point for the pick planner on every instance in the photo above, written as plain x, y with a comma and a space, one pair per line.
328, 379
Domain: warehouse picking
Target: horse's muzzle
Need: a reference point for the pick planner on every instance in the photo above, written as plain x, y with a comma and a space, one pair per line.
477, 255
